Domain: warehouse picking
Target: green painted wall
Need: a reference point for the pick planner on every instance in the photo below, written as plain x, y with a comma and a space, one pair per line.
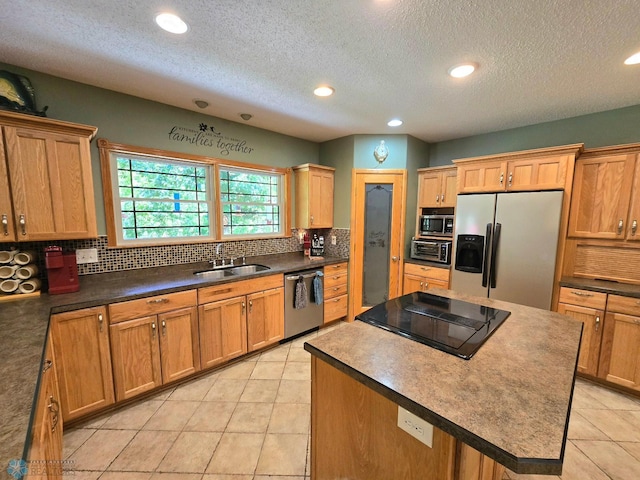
417, 157
131, 120
338, 154
612, 127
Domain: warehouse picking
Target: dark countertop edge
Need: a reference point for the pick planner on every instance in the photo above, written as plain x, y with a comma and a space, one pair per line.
602, 286
517, 465
65, 307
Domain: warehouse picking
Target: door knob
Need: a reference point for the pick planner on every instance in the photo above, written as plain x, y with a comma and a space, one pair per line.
394, 258
620, 226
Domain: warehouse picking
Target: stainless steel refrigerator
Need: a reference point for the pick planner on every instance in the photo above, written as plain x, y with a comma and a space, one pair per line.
506, 245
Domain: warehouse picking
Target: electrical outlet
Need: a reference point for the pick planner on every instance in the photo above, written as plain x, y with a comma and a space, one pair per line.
415, 426
86, 255
333, 240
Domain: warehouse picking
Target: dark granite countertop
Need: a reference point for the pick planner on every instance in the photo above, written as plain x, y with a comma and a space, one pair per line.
604, 286
511, 401
24, 325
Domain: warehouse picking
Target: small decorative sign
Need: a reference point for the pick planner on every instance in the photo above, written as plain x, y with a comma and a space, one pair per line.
208, 136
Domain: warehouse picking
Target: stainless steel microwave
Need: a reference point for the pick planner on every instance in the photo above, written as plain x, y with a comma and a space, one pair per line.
432, 250
438, 225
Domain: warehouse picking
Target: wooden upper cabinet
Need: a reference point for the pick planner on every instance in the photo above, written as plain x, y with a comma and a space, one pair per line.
437, 187
601, 197
540, 169
481, 177
314, 196
49, 172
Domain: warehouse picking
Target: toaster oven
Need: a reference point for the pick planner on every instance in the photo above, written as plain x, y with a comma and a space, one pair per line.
432, 250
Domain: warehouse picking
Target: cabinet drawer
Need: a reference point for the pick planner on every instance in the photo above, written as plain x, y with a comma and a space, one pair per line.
620, 304
243, 287
426, 271
575, 296
335, 291
119, 312
335, 279
335, 308
336, 268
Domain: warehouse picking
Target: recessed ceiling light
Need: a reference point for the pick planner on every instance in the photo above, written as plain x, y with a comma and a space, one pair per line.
394, 123
171, 23
633, 59
324, 91
459, 71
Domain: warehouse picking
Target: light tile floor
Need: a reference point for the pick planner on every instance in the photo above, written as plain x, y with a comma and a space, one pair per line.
251, 421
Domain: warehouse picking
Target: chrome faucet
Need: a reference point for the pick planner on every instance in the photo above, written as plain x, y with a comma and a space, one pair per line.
219, 249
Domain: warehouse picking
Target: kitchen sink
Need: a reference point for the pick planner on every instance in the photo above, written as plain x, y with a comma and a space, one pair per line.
246, 269
230, 271
214, 274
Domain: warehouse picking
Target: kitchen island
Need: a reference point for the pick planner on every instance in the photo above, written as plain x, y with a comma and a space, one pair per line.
507, 406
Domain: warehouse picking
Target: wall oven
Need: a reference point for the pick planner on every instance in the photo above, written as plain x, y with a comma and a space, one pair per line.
432, 250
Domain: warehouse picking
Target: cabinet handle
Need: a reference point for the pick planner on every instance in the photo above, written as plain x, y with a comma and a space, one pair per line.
311, 218
250, 306
582, 294
243, 307
634, 227
501, 177
336, 289
425, 268
437, 198
510, 178
442, 198
597, 322
426, 285
620, 226
100, 321
23, 224
5, 224
421, 285
164, 328
54, 408
153, 329
158, 300
47, 365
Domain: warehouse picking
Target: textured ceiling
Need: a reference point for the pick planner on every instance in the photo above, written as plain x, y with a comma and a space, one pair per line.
540, 60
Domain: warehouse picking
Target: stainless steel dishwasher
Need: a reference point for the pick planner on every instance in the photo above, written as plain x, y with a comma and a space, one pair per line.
299, 320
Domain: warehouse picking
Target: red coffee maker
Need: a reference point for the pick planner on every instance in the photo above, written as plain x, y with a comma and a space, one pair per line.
62, 270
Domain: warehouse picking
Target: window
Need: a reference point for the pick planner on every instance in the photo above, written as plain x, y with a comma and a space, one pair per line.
250, 202
164, 197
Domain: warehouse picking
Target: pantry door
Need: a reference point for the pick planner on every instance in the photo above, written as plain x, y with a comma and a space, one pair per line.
377, 235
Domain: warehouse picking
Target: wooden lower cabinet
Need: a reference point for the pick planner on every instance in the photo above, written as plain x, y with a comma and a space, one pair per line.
156, 349
354, 434
420, 278
588, 308
223, 331
335, 289
265, 318
620, 356
81, 342
45, 453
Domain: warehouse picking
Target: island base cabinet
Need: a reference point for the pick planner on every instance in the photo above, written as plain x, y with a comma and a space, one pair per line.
355, 435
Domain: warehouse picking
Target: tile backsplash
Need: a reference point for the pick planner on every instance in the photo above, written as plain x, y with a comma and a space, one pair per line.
118, 259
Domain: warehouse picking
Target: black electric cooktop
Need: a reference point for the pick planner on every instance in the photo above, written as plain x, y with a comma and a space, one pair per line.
453, 326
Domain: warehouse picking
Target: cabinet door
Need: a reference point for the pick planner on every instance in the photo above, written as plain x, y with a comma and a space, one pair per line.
620, 358
412, 283
448, 188
600, 199
179, 345
265, 318
7, 228
537, 174
81, 342
482, 177
45, 450
592, 320
51, 184
136, 356
223, 331
320, 199
429, 187
633, 221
